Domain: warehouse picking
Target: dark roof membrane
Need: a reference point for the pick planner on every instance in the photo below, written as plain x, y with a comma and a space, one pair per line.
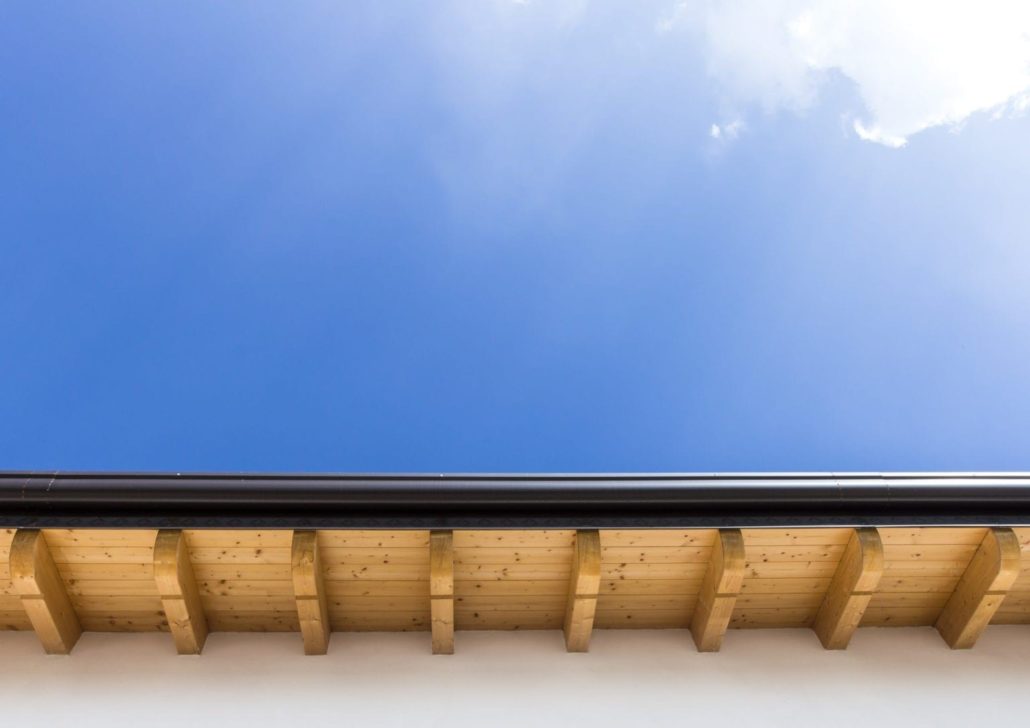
146, 500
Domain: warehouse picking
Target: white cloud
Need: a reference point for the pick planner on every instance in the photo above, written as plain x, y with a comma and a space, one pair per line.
728, 131
916, 63
876, 134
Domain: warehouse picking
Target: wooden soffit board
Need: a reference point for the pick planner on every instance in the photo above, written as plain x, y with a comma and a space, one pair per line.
703, 582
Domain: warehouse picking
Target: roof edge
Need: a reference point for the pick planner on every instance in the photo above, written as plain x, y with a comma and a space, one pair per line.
531, 500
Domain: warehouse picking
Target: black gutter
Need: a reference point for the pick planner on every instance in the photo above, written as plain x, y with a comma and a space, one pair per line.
126, 500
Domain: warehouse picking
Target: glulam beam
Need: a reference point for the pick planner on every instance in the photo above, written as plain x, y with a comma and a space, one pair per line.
584, 584
309, 592
43, 594
856, 579
981, 590
441, 591
177, 586
719, 590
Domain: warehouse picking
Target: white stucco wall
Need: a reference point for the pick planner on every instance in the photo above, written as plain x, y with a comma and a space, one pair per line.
904, 677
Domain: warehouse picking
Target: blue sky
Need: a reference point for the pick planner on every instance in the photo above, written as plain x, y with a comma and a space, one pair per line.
506, 236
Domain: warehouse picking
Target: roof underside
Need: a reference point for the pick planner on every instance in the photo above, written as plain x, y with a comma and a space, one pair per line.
705, 553
504, 579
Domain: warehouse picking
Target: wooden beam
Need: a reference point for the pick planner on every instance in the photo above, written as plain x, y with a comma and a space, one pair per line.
43, 594
981, 590
856, 579
584, 584
441, 590
177, 587
309, 591
719, 590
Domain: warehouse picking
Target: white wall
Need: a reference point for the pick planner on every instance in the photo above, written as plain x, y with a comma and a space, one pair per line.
903, 677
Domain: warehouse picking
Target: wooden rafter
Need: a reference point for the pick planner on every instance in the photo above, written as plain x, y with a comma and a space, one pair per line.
180, 597
984, 584
719, 590
441, 591
43, 593
584, 584
856, 579
309, 591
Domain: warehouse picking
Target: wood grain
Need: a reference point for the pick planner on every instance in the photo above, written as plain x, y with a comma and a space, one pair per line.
246, 580
984, 584
718, 596
43, 595
584, 584
180, 597
309, 593
858, 575
441, 591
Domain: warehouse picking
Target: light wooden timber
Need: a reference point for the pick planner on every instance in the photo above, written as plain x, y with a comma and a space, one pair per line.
513, 579
719, 590
309, 592
584, 585
858, 575
441, 591
42, 591
177, 587
981, 590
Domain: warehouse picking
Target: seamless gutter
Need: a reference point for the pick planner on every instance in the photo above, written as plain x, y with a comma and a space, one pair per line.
627, 500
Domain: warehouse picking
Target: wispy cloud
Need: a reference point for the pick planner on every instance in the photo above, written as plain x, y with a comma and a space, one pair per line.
916, 64
726, 132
